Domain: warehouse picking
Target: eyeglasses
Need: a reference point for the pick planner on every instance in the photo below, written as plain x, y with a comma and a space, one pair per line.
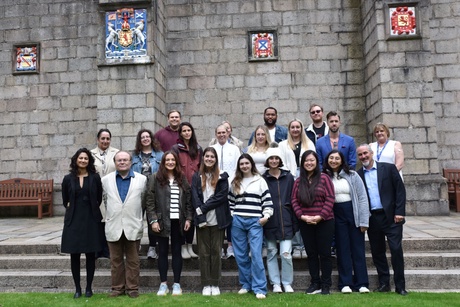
315, 111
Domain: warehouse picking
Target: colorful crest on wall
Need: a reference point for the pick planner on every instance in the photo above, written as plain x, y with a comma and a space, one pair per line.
126, 33
403, 21
26, 58
262, 46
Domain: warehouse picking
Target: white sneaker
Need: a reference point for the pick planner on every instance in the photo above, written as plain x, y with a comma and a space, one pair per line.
303, 253
260, 296
230, 252
163, 290
223, 256
277, 289
176, 289
364, 290
215, 290
264, 252
296, 254
190, 251
288, 289
184, 252
152, 253
346, 289
243, 291
207, 290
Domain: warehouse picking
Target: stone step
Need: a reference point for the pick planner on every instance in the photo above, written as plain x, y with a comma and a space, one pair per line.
57, 280
413, 260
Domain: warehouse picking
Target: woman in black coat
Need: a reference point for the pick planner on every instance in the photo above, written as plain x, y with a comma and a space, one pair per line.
282, 225
81, 196
210, 200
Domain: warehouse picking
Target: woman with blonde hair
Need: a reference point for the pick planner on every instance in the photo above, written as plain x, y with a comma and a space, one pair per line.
258, 149
386, 150
296, 144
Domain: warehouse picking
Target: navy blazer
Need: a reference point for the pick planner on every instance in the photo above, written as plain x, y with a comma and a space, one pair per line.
346, 146
69, 186
391, 189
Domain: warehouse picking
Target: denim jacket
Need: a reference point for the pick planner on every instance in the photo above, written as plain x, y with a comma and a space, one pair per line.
155, 159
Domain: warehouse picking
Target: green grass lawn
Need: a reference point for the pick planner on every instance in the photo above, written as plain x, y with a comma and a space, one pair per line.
419, 299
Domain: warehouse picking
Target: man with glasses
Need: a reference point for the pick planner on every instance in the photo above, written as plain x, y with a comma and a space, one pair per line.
318, 127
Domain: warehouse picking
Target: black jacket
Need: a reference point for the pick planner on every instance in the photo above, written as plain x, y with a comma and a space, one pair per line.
218, 201
283, 224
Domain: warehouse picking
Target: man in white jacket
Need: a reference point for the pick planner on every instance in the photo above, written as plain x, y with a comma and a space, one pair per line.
123, 195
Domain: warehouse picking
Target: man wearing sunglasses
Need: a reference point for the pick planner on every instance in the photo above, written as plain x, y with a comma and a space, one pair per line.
318, 127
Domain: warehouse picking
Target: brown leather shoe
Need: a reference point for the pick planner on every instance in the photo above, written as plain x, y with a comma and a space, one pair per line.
133, 294
116, 293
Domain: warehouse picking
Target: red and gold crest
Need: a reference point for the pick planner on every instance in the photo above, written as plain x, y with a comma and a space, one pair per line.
403, 20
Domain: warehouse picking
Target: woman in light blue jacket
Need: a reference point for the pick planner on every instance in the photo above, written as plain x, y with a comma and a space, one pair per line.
351, 211
146, 160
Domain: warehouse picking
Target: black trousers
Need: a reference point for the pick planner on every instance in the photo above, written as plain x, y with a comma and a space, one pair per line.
379, 228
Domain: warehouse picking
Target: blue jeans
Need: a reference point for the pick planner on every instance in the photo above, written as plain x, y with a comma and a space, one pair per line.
247, 232
287, 271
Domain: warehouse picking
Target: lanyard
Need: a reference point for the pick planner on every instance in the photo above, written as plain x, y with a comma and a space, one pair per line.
379, 153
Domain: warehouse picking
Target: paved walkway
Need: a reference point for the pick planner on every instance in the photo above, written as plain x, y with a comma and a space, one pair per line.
14, 231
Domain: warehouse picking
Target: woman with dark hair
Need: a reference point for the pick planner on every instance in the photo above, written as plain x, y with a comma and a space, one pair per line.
351, 212
282, 225
313, 201
210, 200
251, 204
189, 153
82, 196
169, 213
146, 160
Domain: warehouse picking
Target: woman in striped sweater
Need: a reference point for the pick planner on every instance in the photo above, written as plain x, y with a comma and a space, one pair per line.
313, 200
251, 206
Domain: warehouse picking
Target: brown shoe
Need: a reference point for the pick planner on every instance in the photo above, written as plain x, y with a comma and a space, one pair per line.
133, 294
116, 293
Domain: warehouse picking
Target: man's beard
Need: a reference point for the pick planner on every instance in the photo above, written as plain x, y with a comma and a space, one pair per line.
366, 163
267, 123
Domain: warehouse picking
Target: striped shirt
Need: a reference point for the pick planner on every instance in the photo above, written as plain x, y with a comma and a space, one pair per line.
174, 204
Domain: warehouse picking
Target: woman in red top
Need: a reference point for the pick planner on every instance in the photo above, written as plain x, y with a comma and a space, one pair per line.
190, 154
313, 200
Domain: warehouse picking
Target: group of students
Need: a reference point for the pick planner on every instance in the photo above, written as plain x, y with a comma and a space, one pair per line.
263, 196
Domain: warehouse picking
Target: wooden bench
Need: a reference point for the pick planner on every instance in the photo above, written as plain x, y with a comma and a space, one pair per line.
26, 192
453, 187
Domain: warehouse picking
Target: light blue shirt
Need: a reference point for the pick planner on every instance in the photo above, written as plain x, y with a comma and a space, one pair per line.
123, 184
372, 184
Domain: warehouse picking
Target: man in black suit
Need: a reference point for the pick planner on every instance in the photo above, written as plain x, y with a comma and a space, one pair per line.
387, 200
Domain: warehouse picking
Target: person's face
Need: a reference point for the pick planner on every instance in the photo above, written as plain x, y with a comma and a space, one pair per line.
381, 135
82, 160
186, 133
274, 161
334, 161
103, 142
365, 156
316, 114
270, 117
221, 135
170, 162
245, 167
334, 123
122, 162
145, 139
174, 120
310, 163
229, 129
209, 159
295, 129
261, 137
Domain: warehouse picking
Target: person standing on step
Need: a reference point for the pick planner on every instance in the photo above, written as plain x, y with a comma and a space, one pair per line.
318, 128
124, 227
82, 196
169, 213
387, 200
212, 216
277, 133
231, 138
189, 153
146, 159
168, 135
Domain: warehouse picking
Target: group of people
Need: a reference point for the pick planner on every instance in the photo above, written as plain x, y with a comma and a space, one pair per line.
291, 190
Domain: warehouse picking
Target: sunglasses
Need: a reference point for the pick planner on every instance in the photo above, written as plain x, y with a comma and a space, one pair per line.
316, 111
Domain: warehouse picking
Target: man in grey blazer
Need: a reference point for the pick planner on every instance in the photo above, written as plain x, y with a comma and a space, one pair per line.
123, 195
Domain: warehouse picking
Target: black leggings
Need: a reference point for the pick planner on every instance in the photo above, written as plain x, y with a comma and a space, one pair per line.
163, 245
90, 268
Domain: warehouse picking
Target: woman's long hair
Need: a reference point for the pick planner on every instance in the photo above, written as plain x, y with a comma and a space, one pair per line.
327, 169
154, 142
192, 143
253, 147
239, 174
306, 192
73, 162
214, 170
303, 136
162, 174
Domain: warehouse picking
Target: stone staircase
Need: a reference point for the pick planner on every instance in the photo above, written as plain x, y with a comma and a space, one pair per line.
431, 265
